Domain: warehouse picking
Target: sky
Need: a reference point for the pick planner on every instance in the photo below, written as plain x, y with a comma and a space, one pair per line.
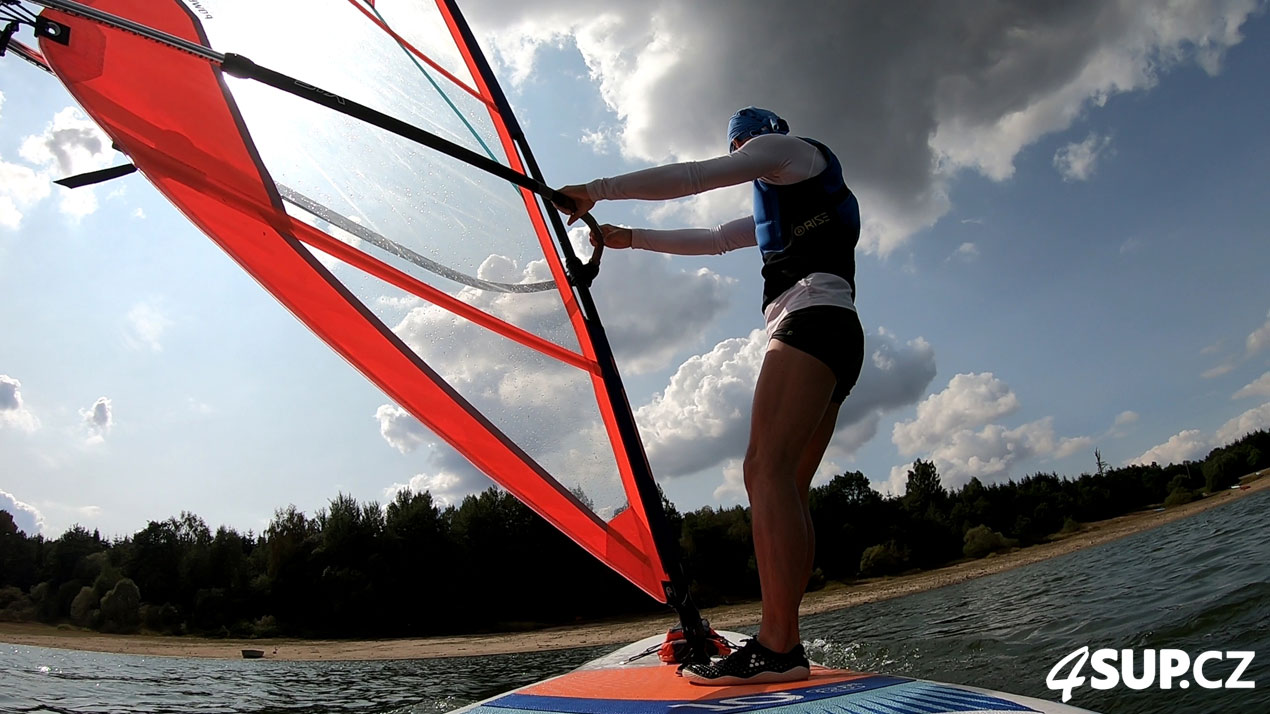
1064, 250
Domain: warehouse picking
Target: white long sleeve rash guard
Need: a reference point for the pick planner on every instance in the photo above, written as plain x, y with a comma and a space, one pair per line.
773, 158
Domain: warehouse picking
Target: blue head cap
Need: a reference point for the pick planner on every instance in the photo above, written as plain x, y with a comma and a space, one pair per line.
752, 121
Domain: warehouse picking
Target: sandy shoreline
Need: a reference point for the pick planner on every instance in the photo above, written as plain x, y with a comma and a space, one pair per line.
833, 597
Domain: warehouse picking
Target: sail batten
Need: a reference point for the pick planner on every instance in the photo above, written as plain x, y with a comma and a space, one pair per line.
335, 247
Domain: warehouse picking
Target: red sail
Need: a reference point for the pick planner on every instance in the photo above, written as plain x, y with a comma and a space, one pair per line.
506, 377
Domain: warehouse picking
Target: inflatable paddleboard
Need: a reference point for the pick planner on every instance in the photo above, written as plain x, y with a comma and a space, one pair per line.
613, 684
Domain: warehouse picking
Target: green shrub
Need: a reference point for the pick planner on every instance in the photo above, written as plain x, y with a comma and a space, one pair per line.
883, 559
121, 607
1179, 496
84, 607
982, 540
10, 595
1223, 471
266, 626
45, 601
15, 606
1179, 481
816, 581
161, 618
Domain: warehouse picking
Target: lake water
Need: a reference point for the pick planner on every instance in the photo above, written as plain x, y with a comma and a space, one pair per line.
1199, 584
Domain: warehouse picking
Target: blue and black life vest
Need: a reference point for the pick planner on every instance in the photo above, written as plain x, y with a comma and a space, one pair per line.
808, 227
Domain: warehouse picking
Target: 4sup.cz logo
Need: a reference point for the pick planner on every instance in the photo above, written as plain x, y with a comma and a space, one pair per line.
1168, 667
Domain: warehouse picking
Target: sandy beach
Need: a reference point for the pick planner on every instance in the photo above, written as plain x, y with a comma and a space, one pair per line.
834, 597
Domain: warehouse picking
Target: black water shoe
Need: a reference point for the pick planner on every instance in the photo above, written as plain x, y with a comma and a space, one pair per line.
752, 664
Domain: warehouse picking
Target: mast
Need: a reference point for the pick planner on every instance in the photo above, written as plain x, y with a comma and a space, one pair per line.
667, 542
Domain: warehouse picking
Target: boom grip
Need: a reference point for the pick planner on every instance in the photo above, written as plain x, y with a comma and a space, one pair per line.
582, 274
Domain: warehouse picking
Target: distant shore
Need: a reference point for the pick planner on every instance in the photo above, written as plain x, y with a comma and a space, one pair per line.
836, 596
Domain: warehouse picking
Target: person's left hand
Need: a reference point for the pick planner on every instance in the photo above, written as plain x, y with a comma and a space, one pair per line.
614, 236
582, 202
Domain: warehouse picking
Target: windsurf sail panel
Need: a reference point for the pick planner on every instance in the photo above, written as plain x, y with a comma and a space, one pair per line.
441, 283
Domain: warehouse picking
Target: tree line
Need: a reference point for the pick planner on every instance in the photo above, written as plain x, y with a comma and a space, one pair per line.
413, 568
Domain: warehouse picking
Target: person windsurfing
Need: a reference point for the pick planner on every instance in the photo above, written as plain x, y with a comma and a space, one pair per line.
806, 223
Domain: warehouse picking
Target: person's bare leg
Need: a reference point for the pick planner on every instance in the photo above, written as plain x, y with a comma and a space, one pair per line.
790, 402
807, 465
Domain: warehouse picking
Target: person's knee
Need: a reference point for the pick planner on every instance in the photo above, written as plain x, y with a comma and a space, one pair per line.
764, 469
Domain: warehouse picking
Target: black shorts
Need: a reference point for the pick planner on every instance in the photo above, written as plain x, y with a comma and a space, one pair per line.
832, 335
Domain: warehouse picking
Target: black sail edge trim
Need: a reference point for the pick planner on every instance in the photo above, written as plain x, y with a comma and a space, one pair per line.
677, 590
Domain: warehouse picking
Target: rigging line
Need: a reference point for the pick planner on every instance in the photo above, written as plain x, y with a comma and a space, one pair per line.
18, 11
415, 55
402, 44
318, 210
415, 51
14, 20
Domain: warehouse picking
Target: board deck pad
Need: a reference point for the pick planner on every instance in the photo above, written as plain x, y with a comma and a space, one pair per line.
647, 686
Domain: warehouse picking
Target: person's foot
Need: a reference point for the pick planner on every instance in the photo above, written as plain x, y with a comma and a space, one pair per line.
752, 664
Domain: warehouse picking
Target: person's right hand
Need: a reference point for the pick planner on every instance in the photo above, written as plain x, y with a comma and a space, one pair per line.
614, 236
582, 202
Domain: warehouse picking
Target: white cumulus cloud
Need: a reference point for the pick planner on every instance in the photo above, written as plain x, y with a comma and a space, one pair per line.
1182, 446
98, 420
13, 411
1258, 340
968, 252
1193, 444
1252, 420
20, 188
954, 429
702, 418
1078, 160
970, 400
71, 144
1259, 387
895, 375
449, 476
446, 488
1218, 371
27, 517
991, 452
400, 429
732, 490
